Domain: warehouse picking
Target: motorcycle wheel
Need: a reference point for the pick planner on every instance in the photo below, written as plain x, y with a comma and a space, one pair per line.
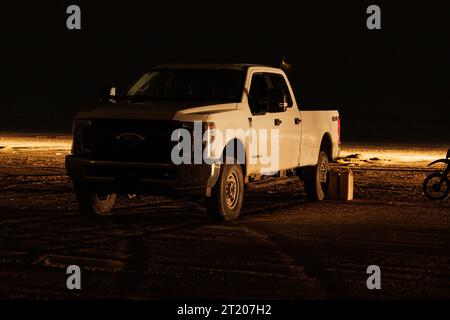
436, 186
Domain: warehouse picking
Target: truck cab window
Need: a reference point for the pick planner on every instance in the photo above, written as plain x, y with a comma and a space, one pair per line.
278, 83
258, 95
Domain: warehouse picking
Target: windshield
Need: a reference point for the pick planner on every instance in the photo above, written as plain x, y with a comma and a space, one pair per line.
192, 85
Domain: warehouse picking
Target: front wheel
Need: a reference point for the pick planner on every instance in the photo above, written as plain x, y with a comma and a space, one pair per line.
93, 203
316, 178
227, 196
436, 186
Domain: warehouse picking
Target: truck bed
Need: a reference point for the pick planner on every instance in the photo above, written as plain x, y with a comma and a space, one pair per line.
316, 124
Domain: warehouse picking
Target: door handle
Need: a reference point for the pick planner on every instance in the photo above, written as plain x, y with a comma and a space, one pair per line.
297, 120
277, 122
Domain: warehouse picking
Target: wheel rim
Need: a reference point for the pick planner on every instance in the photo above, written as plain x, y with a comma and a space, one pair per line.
102, 202
323, 172
103, 197
232, 190
436, 187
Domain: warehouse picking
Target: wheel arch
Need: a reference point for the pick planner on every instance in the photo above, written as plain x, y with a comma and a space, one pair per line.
235, 144
326, 145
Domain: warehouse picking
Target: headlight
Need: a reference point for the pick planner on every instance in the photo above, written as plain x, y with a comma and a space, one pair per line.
210, 132
204, 130
203, 135
78, 134
209, 138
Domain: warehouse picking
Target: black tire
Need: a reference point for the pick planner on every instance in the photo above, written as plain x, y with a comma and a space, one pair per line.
316, 178
227, 196
436, 186
91, 202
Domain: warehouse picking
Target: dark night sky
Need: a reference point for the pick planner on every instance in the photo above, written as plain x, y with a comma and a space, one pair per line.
389, 84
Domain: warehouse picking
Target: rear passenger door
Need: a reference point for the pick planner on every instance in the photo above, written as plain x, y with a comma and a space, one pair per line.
288, 121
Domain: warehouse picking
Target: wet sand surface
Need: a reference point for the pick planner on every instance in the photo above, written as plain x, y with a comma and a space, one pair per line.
282, 247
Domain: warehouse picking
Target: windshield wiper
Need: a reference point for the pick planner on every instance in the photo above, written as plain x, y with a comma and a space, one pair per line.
137, 97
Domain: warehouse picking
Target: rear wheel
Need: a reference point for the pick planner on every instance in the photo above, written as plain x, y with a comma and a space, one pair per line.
316, 178
227, 196
436, 186
92, 202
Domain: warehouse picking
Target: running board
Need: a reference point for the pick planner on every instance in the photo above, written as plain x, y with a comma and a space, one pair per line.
270, 182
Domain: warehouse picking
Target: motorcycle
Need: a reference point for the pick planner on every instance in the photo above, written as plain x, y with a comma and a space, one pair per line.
437, 185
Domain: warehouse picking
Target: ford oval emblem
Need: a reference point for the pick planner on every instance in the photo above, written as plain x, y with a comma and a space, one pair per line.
130, 138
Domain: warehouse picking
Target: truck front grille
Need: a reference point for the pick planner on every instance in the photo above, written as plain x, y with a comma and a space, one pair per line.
130, 140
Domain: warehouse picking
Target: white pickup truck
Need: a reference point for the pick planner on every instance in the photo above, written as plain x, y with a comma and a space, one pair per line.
129, 144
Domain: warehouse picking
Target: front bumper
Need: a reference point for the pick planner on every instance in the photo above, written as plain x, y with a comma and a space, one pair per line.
137, 177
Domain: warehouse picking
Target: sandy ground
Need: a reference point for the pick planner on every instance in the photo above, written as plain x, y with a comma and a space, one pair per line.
282, 246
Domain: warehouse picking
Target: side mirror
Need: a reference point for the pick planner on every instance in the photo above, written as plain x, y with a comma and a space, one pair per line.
448, 153
284, 104
277, 100
109, 94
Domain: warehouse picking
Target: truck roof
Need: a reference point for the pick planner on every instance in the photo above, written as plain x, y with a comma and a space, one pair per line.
230, 66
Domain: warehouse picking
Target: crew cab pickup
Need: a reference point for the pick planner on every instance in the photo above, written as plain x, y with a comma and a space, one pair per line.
251, 127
